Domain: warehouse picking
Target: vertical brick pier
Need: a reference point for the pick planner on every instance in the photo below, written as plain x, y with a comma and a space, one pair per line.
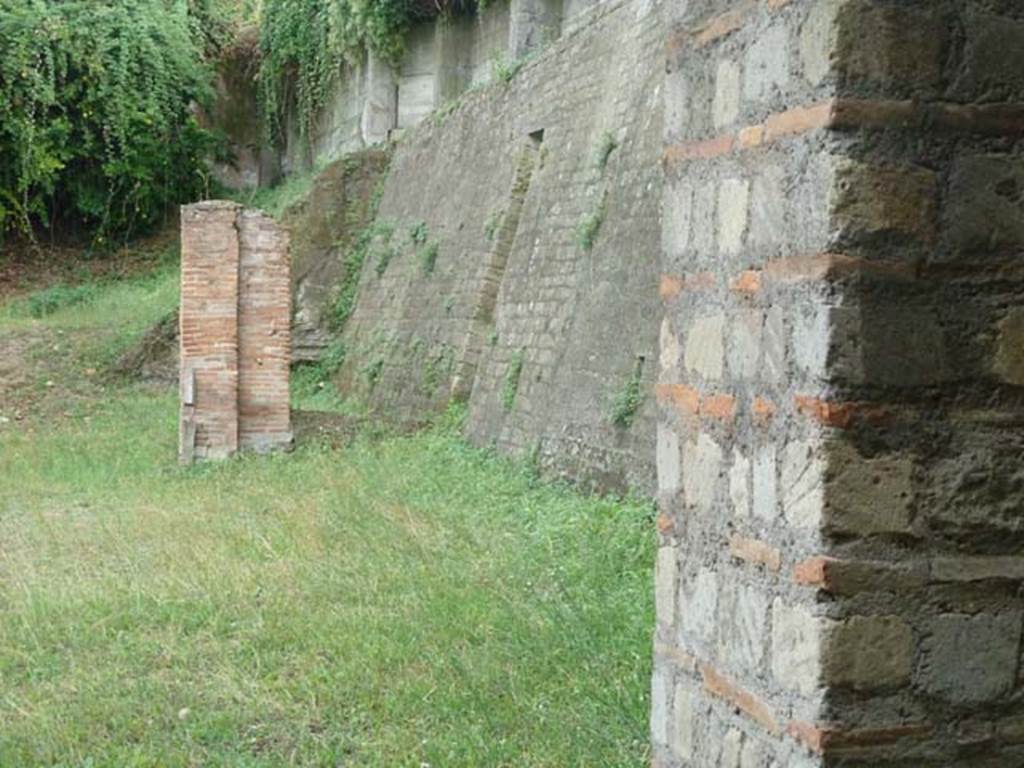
235, 332
841, 440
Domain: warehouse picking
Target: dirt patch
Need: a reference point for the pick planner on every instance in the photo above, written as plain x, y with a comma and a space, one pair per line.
154, 359
26, 266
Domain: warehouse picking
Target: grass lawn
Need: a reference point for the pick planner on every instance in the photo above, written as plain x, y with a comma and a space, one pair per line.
405, 601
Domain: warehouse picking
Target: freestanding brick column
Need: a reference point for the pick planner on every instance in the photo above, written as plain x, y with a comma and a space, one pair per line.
235, 331
842, 386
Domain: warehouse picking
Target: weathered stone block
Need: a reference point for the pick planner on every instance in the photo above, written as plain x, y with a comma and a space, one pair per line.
744, 351
796, 647
883, 200
698, 605
818, 41
744, 618
739, 483
733, 205
683, 722
726, 105
732, 746
768, 209
985, 208
670, 353
902, 345
866, 496
906, 52
1008, 363
970, 659
773, 368
766, 65
828, 343
666, 586
668, 463
677, 213
993, 66
703, 226
704, 353
661, 703
868, 653
765, 483
803, 483
702, 468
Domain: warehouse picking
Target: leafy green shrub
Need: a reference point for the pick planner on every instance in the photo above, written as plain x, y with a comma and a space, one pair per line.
97, 110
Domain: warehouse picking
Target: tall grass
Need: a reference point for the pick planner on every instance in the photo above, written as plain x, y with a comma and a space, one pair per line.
408, 601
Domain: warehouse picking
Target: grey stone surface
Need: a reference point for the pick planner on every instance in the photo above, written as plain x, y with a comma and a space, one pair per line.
969, 659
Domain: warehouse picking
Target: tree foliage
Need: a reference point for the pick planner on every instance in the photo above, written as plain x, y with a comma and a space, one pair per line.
98, 102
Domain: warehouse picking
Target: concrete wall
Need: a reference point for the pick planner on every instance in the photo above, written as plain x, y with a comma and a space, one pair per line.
839, 571
540, 334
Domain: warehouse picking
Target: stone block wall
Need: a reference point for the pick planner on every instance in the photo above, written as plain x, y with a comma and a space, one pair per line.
541, 334
235, 337
839, 571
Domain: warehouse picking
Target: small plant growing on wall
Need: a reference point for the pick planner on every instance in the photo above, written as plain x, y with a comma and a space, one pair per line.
418, 233
372, 372
428, 257
607, 144
628, 399
590, 225
503, 70
512, 376
492, 224
379, 232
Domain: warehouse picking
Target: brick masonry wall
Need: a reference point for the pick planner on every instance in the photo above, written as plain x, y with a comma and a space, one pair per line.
264, 338
838, 577
501, 185
235, 331
209, 330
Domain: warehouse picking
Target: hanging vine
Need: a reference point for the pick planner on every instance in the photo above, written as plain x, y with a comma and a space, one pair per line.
97, 110
304, 43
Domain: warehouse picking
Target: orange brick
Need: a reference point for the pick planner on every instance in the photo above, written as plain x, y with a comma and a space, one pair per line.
677, 656
830, 738
719, 406
719, 26
813, 572
827, 266
686, 399
751, 136
698, 150
669, 287
701, 281
720, 686
798, 120
748, 281
840, 415
763, 410
755, 551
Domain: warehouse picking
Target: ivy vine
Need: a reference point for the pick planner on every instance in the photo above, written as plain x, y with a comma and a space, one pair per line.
305, 43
